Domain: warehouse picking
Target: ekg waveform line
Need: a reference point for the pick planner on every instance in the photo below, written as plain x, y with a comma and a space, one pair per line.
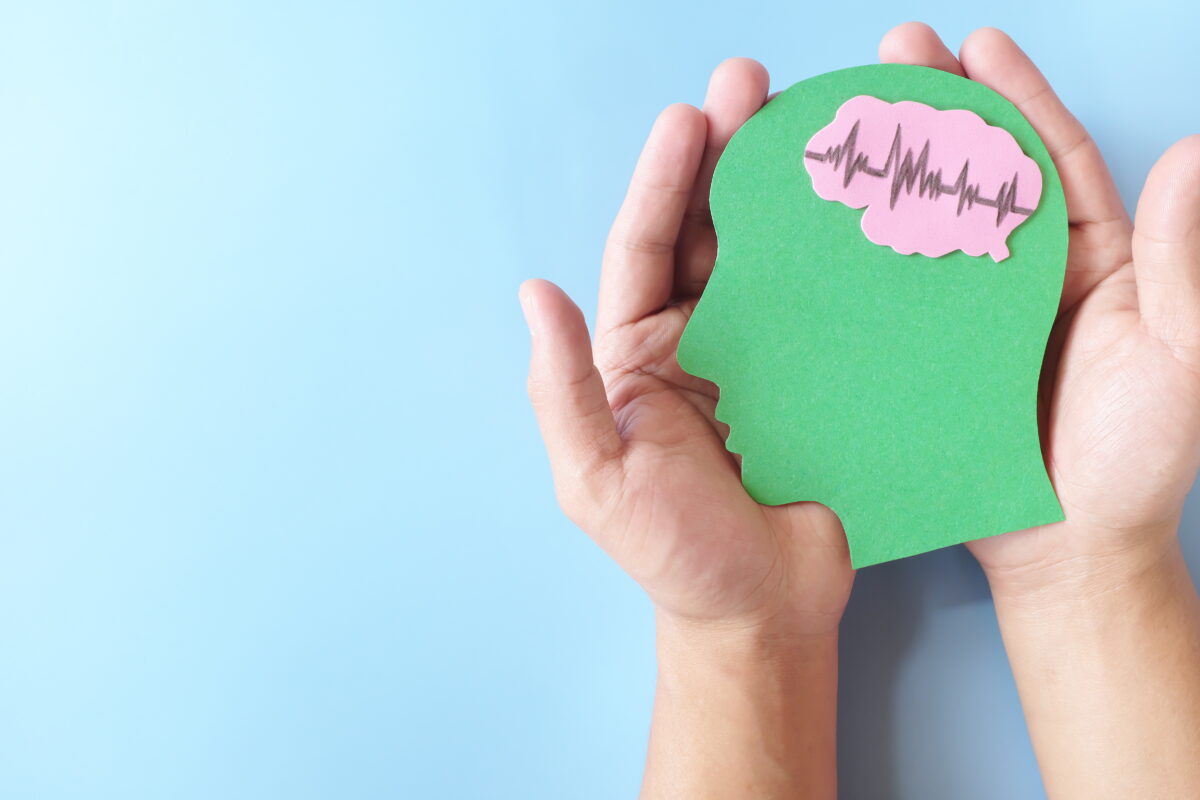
906, 173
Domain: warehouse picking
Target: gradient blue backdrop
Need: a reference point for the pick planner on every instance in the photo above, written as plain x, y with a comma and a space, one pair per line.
274, 518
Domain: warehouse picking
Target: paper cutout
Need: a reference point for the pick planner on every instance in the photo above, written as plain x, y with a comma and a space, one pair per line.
899, 390
866, 157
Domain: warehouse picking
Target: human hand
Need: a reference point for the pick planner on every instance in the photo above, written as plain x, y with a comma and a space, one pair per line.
1120, 391
639, 460
748, 597
1099, 616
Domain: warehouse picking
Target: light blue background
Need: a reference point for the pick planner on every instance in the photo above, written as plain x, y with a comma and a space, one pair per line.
274, 518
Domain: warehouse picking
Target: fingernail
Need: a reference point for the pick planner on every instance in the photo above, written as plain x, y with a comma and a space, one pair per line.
529, 308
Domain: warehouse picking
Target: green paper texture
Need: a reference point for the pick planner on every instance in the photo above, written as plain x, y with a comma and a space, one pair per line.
898, 390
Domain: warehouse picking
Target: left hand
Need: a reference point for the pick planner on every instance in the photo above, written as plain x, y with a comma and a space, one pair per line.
1120, 386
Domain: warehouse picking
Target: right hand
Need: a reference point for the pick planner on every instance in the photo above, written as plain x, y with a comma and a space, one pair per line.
638, 458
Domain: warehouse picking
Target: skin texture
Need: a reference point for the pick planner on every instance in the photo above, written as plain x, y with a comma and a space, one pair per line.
1098, 614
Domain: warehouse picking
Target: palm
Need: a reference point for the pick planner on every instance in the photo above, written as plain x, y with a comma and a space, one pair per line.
1122, 424
688, 530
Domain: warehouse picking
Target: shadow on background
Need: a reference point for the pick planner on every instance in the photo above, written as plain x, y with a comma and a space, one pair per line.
883, 623
923, 670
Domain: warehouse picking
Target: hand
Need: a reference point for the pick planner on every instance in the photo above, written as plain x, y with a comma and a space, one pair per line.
1099, 616
748, 597
639, 460
1120, 388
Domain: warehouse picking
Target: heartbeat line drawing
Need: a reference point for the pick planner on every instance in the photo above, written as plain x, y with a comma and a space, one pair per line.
907, 174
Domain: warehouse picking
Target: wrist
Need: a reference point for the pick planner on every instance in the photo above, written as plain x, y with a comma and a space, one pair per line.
1141, 564
1105, 652
743, 710
748, 646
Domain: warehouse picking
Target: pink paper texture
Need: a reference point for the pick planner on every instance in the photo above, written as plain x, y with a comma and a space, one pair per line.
932, 181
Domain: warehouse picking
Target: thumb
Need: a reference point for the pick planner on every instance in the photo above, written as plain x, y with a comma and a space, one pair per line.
569, 399
1166, 250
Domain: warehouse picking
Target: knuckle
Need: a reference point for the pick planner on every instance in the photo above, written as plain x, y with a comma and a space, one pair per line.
568, 503
584, 499
637, 245
538, 389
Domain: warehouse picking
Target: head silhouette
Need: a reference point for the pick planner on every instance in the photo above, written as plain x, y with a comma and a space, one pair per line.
885, 362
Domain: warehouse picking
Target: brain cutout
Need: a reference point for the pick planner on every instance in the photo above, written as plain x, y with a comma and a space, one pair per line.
931, 181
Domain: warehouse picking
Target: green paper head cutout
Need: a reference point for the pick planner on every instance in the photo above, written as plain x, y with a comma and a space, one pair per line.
899, 390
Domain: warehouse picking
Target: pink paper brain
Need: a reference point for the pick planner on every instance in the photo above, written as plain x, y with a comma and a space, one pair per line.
931, 181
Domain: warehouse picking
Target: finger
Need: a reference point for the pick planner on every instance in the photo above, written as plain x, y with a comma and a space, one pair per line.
1166, 250
736, 90
639, 257
917, 43
993, 59
568, 398
990, 57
